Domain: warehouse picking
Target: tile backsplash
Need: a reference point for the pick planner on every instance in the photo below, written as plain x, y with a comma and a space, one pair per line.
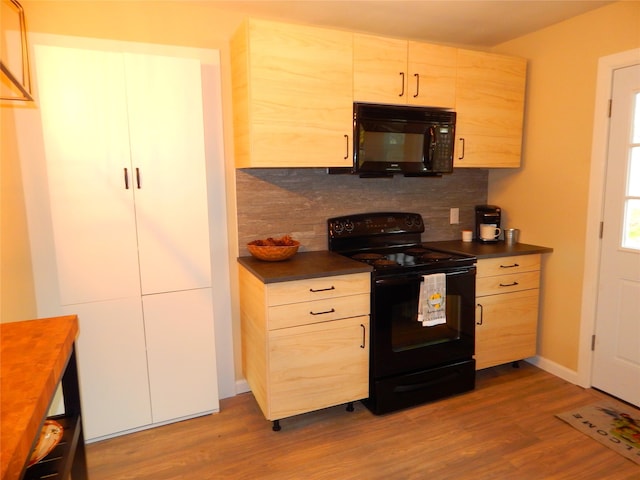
298, 202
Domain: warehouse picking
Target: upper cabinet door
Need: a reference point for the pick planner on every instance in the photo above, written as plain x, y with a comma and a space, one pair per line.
168, 159
85, 128
432, 75
490, 105
293, 95
387, 70
379, 69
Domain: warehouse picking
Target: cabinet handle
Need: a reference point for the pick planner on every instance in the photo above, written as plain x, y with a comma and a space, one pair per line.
510, 266
126, 179
364, 335
481, 314
402, 78
138, 177
462, 151
417, 75
346, 139
323, 313
322, 289
509, 284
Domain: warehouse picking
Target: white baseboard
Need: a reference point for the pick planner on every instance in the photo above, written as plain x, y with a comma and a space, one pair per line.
553, 368
242, 386
556, 369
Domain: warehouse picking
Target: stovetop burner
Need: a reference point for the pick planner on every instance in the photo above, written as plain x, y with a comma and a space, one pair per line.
390, 242
403, 257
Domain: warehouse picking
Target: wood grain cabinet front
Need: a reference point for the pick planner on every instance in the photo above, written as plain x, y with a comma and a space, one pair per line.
292, 89
490, 91
389, 70
507, 293
305, 342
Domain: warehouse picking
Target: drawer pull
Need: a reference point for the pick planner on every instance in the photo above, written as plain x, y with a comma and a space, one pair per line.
323, 313
322, 289
510, 266
513, 284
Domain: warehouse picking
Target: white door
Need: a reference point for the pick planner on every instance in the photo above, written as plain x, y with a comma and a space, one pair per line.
167, 149
181, 354
112, 366
616, 361
86, 139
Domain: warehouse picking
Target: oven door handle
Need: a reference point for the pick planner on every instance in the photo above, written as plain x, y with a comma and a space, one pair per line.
417, 277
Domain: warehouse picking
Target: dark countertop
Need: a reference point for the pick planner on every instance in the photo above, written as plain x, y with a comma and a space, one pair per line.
488, 250
303, 265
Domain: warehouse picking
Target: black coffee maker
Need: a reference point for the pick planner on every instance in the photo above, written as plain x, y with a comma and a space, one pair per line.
489, 215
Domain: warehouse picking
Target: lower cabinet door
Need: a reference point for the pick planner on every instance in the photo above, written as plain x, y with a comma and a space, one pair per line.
181, 354
317, 366
506, 327
112, 366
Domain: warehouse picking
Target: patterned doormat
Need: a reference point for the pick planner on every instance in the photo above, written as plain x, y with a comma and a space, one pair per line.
615, 425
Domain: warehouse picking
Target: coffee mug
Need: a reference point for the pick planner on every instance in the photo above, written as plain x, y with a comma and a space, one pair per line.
489, 231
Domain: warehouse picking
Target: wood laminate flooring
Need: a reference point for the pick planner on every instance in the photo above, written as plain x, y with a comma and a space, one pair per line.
504, 429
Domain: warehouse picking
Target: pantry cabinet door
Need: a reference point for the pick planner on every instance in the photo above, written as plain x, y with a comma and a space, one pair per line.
85, 127
181, 352
112, 366
167, 148
379, 69
300, 96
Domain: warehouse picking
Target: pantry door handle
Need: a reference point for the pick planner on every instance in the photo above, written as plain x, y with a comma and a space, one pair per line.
462, 154
513, 284
346, 139
481, 314
417, 75
138, 177
364, 335
323, 313
402, 78
322, 289
126, 179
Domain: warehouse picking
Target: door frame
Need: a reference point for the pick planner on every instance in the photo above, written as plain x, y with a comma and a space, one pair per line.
606, 66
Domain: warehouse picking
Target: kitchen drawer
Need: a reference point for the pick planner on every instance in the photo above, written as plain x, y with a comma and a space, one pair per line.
488, 267
320, 288
507, 283
304, 313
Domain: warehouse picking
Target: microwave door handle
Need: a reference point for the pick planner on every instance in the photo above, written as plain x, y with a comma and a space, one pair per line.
431, 148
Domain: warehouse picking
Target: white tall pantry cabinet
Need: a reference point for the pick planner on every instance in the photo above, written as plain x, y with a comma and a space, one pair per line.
124, 145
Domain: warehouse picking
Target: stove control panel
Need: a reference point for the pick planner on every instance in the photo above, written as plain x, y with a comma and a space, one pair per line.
368, 224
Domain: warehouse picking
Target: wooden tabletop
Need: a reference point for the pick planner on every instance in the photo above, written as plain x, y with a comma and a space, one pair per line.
33, 355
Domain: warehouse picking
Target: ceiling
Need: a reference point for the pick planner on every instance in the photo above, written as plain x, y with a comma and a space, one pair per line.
481, 23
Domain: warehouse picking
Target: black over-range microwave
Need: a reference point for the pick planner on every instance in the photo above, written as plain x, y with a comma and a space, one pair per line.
399, 139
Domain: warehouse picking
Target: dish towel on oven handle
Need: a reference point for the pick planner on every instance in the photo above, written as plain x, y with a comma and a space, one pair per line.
432, 303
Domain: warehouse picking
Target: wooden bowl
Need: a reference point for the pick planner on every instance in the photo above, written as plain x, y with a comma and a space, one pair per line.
273, 253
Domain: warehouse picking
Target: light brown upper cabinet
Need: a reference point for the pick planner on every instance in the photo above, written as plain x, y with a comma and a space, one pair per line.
388, 70
292, 95
490, 106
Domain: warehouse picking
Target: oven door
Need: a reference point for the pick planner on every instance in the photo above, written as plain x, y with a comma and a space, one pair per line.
401, 344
